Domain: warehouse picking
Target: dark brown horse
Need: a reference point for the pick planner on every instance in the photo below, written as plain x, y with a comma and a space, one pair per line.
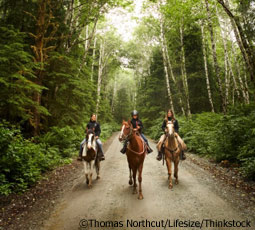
173, 145
89, 157
136, 152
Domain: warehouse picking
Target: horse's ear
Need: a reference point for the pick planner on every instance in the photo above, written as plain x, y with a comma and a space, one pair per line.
123, 121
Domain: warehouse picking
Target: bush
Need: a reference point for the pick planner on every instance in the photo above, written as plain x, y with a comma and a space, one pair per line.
63, 139
107, 129
22, 161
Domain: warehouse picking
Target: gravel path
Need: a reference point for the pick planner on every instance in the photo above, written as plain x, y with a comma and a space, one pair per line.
110, 203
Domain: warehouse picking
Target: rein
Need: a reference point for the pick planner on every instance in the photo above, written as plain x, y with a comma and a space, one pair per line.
138, 152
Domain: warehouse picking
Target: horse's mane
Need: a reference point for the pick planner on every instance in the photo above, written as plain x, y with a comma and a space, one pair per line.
90, 131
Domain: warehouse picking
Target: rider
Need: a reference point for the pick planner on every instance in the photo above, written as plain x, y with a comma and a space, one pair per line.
169, 117
93, 124
137, 124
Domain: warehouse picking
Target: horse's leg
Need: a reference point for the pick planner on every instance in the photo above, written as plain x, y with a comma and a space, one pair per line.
140, 170
169, 168
134, 169
86, 171
90, 173
98, 169
130, 176
176, 163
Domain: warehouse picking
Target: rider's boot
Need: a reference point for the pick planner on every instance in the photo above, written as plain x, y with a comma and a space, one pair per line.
159, 157
149, 149
182, 156
101, 156
79, 158
160, 154
124, 149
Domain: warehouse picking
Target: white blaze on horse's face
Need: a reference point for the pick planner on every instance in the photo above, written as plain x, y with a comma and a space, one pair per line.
170, 128
90, 140
121, 133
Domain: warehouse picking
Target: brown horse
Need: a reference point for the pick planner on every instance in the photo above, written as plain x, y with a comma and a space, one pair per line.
89, 157
173, 146
136, 152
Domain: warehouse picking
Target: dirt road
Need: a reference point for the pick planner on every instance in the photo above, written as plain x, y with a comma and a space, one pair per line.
197, 197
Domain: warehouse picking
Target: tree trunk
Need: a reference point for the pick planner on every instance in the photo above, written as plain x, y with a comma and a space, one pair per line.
100, 73
114, 93
88, 41
40, 48
172, 73
244, 46
206, 69
93, 58
183, 70
228, 65
243, 89
214, 54
165, 65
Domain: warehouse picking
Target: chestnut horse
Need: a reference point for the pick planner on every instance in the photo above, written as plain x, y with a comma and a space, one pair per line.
89, 157
136, 152
172, 149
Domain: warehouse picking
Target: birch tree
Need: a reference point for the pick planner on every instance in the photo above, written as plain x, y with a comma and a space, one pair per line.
183, 70
165, 64
206, 68
214, 55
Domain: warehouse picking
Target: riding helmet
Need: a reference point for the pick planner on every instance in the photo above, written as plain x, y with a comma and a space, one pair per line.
134, 113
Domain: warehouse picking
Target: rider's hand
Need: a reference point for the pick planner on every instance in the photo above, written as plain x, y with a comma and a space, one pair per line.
138, 127
97, 137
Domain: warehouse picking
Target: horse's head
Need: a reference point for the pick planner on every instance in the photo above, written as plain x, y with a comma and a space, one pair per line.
90, 138
126, 130
170, 128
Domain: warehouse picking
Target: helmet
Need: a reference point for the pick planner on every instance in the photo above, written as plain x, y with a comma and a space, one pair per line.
134, 113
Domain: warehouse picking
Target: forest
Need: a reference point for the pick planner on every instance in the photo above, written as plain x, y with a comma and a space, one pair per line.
62, 60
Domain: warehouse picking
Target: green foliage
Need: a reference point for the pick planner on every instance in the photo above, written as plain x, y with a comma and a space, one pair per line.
107, 129
16, 74
62, 139
22, 161
223, 137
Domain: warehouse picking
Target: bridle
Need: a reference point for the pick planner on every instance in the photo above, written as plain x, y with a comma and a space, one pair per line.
172, 151
123, 136
127, 137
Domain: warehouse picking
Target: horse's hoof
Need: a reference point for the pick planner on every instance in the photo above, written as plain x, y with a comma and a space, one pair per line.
98, 177
170, 186
176, 182
90, 186
140, 197
130, 182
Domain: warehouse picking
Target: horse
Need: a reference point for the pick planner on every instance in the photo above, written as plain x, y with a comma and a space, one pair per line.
89, 157
172, 149
136, 152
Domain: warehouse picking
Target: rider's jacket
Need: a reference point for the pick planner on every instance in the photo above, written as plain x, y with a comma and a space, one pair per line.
94, 125
137, 122
176, 125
